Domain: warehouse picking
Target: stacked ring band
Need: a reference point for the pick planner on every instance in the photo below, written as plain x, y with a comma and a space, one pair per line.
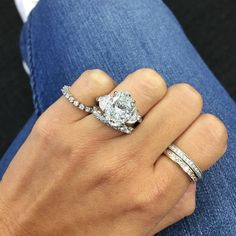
117, 110
182, 159
186, 159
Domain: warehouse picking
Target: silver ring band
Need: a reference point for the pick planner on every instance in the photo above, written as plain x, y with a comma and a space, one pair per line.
116, 110
186, 159
71, 98
182, 164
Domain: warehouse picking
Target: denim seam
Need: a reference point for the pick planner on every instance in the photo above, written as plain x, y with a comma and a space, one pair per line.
32, 69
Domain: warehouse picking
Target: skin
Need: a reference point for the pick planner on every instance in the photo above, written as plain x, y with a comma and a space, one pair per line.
76, 176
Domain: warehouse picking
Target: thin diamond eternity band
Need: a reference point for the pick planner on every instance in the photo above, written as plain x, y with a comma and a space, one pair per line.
183, 160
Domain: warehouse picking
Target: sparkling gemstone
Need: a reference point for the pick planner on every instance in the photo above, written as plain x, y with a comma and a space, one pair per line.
76, 103
71, 99
104, 101
81, 106
118, 108
87, 109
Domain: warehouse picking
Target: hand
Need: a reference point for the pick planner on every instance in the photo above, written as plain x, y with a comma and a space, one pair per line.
76, 176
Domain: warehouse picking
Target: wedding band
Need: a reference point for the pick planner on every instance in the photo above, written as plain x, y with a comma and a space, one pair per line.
185, 167
117, 110
71, 98
197, 171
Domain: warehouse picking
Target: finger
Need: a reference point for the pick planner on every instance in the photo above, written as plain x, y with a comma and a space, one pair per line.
205, 142
91, 84
166, 121
184, 207
146, 87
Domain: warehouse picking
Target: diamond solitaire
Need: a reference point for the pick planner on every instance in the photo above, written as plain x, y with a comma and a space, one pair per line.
117, 111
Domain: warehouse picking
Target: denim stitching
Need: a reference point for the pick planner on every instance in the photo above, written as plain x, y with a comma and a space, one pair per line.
32, 70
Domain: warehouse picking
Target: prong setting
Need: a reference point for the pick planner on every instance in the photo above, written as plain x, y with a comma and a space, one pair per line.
118, 111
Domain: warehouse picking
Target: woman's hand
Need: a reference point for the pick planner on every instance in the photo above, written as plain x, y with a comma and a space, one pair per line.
76, 176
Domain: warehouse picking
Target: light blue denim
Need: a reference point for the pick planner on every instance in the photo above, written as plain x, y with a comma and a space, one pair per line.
62, 38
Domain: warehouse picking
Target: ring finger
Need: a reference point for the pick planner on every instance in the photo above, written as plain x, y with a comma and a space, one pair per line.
146, 87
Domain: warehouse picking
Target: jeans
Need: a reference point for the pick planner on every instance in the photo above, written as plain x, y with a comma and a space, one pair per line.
62, 38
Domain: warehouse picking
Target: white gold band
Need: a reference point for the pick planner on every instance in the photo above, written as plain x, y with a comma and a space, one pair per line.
197, 171
71, 98
185, 167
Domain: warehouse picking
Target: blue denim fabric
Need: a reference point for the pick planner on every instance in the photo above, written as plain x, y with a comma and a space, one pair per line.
63, 38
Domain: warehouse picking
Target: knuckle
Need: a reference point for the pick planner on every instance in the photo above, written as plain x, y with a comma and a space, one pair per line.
51, 137
143, 203
146, 72
94, 73
80, 153
186, 90
78, 157
45, 128
215, 130
97, 78
109, 173
151, 84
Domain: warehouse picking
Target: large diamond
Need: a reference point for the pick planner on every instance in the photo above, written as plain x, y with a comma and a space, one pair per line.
118, 108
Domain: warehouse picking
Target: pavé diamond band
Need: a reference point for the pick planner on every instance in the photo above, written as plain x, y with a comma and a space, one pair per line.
117, 110
197, 171
182, 159
182, 164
